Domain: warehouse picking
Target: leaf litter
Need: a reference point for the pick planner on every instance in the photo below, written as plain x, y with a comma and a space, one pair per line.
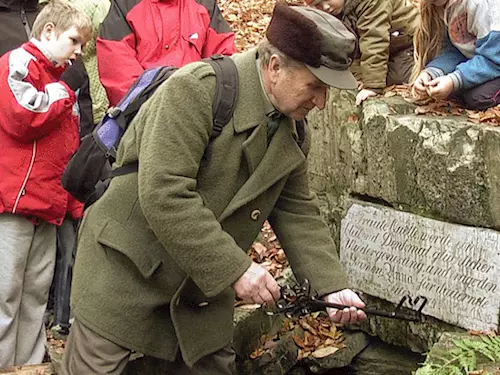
443, 108
315, 335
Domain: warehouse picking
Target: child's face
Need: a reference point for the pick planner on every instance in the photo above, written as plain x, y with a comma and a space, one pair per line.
334, 7
63, 47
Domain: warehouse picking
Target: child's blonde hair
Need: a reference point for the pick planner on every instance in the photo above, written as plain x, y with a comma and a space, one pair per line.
428, 38
64, 16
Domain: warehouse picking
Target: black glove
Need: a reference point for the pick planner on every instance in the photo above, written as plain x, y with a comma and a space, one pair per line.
75, 75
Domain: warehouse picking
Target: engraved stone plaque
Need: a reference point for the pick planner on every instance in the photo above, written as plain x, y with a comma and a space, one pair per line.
388, 254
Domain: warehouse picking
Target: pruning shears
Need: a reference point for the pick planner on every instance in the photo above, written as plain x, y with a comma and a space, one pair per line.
298, 300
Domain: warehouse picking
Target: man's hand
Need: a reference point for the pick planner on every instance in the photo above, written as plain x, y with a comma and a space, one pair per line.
257, 285
441, 87
347, 316
420, 88
363, 95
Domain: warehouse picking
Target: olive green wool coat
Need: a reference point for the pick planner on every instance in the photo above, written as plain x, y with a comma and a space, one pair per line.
158, 253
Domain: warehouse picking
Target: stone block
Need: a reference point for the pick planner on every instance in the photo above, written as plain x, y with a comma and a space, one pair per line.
442, 168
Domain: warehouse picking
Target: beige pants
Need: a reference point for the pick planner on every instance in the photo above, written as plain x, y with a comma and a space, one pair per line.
27, 259
87, 352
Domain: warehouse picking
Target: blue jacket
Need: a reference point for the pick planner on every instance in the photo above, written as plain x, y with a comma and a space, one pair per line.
471, 46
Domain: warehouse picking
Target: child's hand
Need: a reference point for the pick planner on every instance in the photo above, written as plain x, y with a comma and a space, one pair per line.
441, 87
420, 87
363, 95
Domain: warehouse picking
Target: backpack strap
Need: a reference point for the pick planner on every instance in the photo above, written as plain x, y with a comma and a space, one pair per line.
226, 92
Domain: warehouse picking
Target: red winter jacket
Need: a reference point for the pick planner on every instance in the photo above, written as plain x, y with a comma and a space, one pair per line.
38, 135
140, 34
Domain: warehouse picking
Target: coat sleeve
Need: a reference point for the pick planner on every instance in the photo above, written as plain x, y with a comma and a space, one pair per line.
484, 65
305, 237
447, 61
116, 43
220, 38
373, 28
26, 113
168, 169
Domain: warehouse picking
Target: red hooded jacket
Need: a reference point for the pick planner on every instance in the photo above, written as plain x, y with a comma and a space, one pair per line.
38, 135
140, 34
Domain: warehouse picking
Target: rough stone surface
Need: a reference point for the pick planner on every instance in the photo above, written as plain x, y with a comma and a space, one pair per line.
442, 167
417, 336
437, 167
380, 358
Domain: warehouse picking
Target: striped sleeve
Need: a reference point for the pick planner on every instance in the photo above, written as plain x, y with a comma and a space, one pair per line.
32, 114
484, 66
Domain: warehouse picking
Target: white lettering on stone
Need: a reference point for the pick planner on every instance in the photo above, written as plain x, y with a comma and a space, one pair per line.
389, 253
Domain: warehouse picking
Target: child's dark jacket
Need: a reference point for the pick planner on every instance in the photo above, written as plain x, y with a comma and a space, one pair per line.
376, 23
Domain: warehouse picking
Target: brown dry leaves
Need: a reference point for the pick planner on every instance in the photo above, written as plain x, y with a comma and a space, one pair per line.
321, 337
249, 19
431, 107
57, 345
268, 252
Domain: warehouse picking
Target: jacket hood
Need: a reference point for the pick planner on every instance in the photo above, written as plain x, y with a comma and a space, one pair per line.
29, 5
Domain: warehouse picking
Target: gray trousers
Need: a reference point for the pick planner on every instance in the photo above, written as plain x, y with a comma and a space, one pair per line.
27, 258
87, 352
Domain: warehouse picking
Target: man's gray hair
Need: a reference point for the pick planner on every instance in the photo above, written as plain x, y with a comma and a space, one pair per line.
266, 50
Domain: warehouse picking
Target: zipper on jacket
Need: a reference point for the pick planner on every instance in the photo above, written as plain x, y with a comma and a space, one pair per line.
24, 19
22, 191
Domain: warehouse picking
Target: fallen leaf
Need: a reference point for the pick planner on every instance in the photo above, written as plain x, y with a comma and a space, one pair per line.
259, 352
299, 341
324, 352
308, 327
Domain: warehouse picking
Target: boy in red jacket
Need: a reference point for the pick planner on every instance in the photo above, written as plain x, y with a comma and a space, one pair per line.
38, 135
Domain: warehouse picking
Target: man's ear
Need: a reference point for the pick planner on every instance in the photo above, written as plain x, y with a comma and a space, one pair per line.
274, 67
48, 30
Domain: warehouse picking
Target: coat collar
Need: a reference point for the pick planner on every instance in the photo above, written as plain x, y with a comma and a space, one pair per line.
267, 164
35, 47
254, 114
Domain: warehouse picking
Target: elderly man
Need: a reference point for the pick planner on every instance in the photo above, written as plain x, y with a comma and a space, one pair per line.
162, 253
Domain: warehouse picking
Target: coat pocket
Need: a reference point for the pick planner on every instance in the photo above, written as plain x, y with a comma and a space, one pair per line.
144, 254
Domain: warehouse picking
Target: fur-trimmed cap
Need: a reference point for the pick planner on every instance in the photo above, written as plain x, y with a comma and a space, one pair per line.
317, 39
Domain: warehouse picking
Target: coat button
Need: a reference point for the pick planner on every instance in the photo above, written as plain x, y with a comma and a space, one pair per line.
203, 304
255, 215
166, 46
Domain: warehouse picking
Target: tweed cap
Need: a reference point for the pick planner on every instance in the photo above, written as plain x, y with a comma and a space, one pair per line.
316, 38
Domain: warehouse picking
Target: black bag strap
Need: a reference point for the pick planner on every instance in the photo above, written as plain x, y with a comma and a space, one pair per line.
226, 91
123, 119
226, 94
125, 169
